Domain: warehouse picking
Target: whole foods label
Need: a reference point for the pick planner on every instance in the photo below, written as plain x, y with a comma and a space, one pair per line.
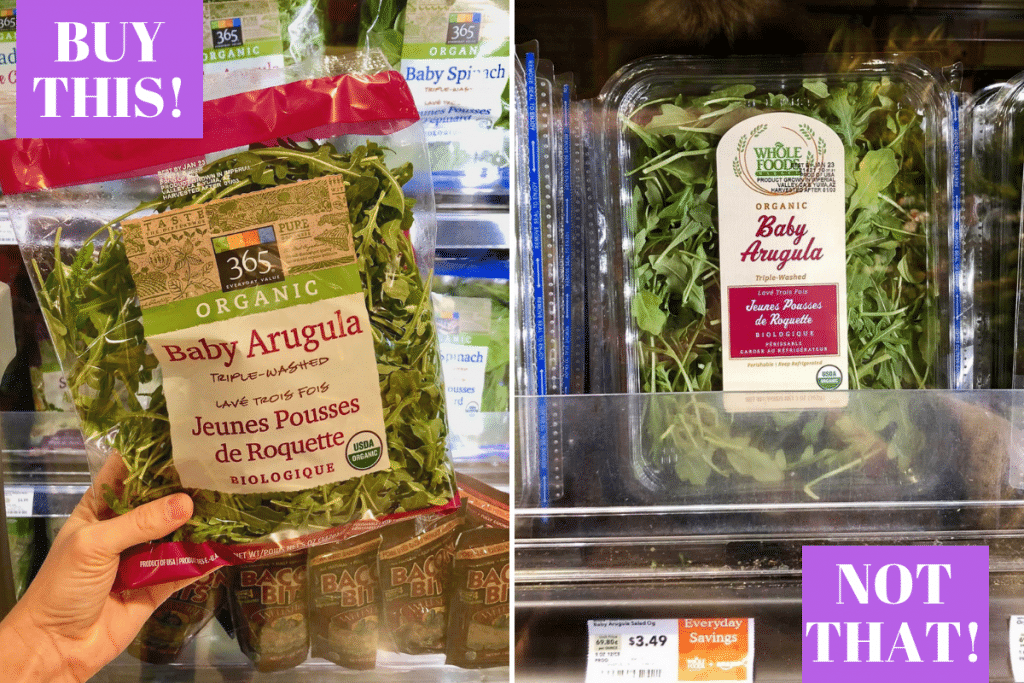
243, 34
782, 238
268, 606
455, 59
671, 650
345, 603
254, 307
463, 331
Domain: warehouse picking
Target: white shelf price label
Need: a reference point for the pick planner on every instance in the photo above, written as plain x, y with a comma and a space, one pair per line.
674, 650
1017, 647
18, 501
7, 232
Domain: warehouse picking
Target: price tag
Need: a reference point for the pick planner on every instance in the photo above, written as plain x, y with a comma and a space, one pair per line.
674, 650
7, 232
1017, 648
18, 501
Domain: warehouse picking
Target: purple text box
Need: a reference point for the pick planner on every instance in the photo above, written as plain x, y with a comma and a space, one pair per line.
867, 610
110, 69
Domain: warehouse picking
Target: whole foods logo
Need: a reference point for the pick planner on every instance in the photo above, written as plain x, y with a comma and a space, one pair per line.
793, 162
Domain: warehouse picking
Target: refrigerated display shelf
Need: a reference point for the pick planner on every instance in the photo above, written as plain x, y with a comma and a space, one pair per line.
551, 620
626, 537
919, 465
214, 658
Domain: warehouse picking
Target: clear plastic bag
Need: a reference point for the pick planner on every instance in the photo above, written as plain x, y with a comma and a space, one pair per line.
246, 34
153, 261
471, 302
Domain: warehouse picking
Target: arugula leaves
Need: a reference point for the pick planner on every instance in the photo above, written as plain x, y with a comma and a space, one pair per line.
892, 297
892, 293
94, 316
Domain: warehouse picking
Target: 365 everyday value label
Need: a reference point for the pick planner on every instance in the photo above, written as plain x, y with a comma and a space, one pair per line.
8, 51
241, 34
254, 307
782, 241
455, 60
671, 650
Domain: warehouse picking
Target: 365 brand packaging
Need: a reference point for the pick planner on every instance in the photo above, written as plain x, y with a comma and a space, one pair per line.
244, 317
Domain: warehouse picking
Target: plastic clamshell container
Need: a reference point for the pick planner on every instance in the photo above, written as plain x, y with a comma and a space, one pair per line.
958, 486
664, 118
993, 185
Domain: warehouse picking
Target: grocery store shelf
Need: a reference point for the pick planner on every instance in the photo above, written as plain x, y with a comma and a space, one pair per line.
473, 228
551, 621
213, 657
631, 498
45, 468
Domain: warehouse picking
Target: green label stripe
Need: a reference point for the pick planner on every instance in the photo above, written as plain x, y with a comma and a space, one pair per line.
465, 339
7, 37
295, 290
267, 46
442, 51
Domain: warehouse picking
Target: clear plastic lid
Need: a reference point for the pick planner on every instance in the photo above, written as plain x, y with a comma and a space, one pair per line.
997, 117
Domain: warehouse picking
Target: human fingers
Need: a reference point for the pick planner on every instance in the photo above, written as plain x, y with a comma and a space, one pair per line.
92, 506
145, 523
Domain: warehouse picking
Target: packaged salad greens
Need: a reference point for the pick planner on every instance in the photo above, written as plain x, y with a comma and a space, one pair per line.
993, 188
785, 225
21, 539
261, 34
471, 305
246, 317
8, 52
454, 55
541, 268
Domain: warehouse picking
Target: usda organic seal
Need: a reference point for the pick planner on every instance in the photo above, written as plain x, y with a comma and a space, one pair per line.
363, 450
829, 377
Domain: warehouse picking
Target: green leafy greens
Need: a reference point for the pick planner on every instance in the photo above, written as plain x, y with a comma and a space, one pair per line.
95, 319
892, 299
496, 374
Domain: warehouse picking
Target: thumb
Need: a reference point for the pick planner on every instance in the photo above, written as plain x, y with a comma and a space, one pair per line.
145, 523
